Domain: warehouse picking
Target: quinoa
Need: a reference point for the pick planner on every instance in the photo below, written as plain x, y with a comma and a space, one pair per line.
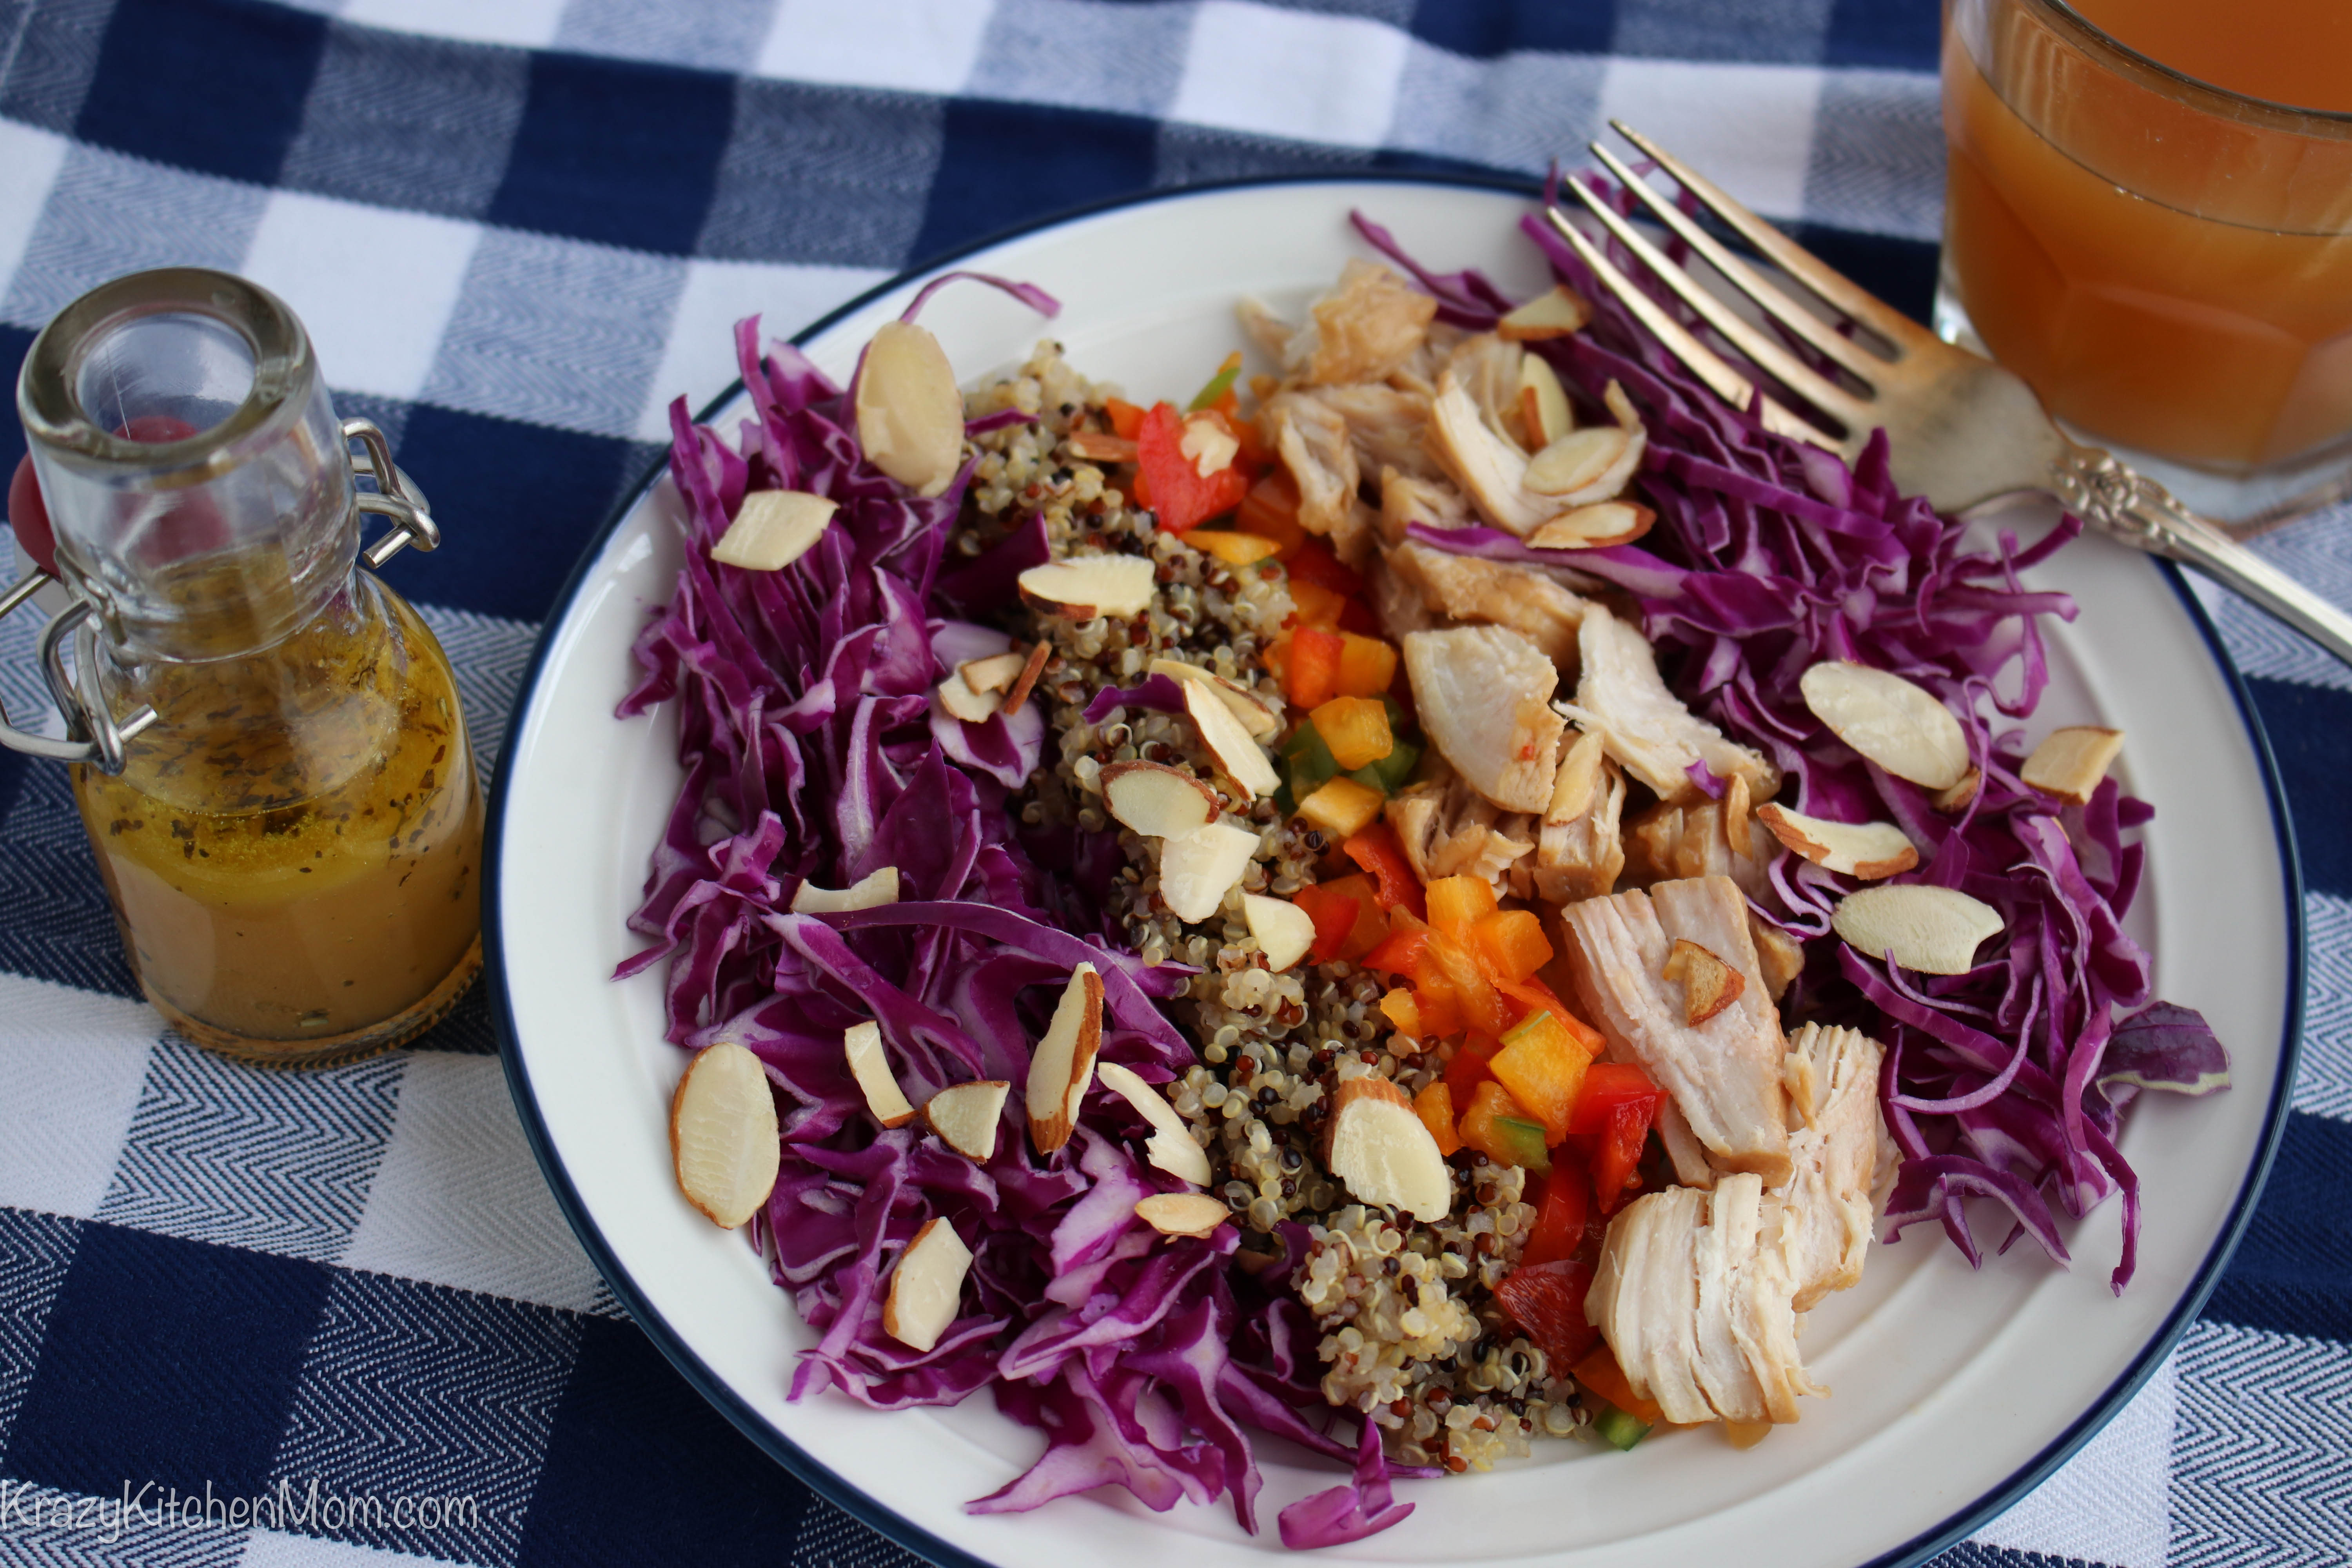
1411, 1336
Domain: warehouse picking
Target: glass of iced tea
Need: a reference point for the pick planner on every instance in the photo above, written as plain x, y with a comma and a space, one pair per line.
2150, 218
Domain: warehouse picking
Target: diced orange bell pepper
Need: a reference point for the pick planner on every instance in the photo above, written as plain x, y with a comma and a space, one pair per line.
1316, 563
1237, 549
1270, 511
1510, 942
1403, 1016
1367, 666
1441, 1015
1398, 953
1180, 494
1483, 1008
1498, 1129
1334, 914
1599, 1372
1434, 1105
1313, 605
1356, 729
1458, 903
1468, 1067
1376, 849
1619, 1152
1312, 664
1125, 418
1567, 1201
1543, 1067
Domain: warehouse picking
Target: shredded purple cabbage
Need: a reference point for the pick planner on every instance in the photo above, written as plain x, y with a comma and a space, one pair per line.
813, 753
1768, 555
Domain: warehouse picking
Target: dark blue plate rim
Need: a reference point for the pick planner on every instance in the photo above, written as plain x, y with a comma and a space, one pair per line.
877, 1515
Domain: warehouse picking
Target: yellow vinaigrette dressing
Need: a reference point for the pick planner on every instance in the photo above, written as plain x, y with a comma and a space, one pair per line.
268, 747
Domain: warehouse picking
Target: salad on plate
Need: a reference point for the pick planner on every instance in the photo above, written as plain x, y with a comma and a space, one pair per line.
1435, 896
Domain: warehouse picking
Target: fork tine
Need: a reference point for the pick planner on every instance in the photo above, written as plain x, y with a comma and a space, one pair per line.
1772, 299
1767, 355
1841, 292
1697, 357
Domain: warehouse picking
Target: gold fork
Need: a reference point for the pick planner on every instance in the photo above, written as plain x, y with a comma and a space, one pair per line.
1961, 430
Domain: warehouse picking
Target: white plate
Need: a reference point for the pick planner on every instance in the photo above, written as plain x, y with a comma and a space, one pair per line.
1954, 1392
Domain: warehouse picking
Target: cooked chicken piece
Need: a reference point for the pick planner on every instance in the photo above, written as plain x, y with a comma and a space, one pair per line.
1832, 1080
1406, 500
1420, 369
1484, 695
1677, 842
1582, 856
1651, 734
1724, 1073
1491, 472
1488, 369
1397, 602
1312, 441
1494, 592
1367, 327
1684, 1149
1389, 427
1269, 332
1448, 829
1779, 954
1693, 1294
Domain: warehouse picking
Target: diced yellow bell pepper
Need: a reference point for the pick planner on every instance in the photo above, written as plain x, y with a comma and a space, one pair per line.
1542, 1065
1458, 903
1367, 666
1512, 943
1342, 808
1498, 1129
1404, 1015
1316, 604
1232, 549
1356, 729
1434, 1105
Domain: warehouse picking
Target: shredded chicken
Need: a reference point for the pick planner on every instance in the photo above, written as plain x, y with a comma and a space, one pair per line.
1311, 438
1676, 842
1693, 1295
1447, 828
1406, 500
1579, 853
1390, 428
1494, 592
1484, 696
1368, 326
1651, 734
1491, 472
1397, 602
1488, 369
1724, 1073
1837, 1151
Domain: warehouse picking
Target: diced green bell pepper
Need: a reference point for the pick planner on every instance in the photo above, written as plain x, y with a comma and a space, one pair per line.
1617, 1430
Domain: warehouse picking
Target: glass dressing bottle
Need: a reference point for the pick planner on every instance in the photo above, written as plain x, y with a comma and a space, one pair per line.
267, 743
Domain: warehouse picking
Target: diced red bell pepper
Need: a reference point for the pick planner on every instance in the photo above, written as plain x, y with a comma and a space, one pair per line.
1398, 954
1312, 666
1125, 418
1376, 849
1535, 996
1607, 1085
1355, 616
1180, 494
1372, 927
1467, 1068
1316, 563
1620, 1152
1334, 914
1559, 1218
1547, 1301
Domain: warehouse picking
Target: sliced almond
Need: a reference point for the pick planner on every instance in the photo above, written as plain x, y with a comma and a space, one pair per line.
927, 1288
1281, 927
772, 528
1197, 869
965, 1117
1064, 1062
1085, 587
1543, 403
722, 1134
1709, 985
1379, 1147
1894, 722
1576, 459
1736, 815
1156, 800
910, 413
960, 701
1210, 446
1594, 527
862, 1043
1100, 446
1960, 796
1780, 957
1870, 850
1554, 314
1025, 682
1229, 740
1171, 1146
993, 673
2070, 763
1262, 720
869, 892
1935, 931
1580, 775
1194, 1215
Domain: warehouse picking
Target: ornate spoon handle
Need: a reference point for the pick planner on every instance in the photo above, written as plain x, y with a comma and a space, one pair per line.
2141, 514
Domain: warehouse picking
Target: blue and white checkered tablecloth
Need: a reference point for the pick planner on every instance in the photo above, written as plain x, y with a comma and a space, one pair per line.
517, 228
